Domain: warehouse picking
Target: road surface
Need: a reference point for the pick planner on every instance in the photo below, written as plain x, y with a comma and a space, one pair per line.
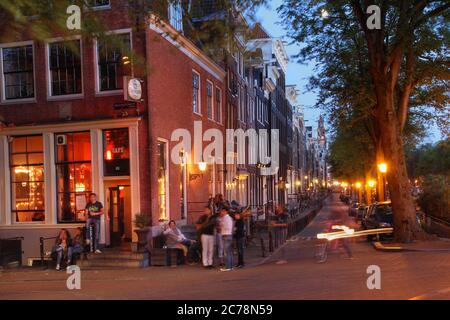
404, 275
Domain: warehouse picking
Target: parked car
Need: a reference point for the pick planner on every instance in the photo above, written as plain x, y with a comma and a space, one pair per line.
378, 215
362, 209
353, 209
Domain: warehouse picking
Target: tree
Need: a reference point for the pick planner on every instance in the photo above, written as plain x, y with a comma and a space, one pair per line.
406, 60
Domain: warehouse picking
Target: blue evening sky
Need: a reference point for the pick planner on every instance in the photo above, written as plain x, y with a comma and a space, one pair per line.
298, 74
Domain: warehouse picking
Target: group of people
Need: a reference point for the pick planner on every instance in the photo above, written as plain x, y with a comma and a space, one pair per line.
220, 225
68, 246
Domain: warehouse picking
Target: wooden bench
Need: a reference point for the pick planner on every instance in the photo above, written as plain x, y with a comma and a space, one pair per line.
160, 255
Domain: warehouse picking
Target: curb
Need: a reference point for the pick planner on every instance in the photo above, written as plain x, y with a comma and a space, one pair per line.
380, 247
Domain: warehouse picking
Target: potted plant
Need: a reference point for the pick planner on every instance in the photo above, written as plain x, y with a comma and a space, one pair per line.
142, 223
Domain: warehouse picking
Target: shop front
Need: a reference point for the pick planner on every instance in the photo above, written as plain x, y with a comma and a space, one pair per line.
47, 173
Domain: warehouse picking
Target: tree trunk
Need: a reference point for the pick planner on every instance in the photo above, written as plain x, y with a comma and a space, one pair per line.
406, 227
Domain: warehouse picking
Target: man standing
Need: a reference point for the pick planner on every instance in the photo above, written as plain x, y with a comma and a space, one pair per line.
240, 238
94, 210
206, 225
226, 231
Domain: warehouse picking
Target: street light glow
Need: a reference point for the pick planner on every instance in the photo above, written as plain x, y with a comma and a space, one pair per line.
358, 185
382, 167
371, 183
202, 166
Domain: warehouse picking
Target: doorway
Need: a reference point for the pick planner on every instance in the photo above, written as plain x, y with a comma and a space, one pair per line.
119, 215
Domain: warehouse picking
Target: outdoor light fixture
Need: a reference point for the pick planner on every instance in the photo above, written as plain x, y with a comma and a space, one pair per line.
358, 185
382, 167
202, 166
371, 183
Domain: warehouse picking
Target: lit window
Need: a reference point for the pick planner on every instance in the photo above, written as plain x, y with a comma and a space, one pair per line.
195, 92
65, 67
116, 152
18, 72
113, 61
162, 179
74, 175
27, 178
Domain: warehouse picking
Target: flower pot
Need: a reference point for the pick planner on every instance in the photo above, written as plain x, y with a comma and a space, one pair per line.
143, 236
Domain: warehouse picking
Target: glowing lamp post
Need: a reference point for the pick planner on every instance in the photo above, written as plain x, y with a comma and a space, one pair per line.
382, 169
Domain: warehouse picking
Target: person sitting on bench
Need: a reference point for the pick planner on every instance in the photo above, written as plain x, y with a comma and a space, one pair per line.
62, 243
76, 247
176, 239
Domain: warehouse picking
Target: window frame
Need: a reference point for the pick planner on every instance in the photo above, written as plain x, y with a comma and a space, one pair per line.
175, 6
98, 91
11, 182
51, 97
219, 106
74, 163
211, 84
199, 93
3, 99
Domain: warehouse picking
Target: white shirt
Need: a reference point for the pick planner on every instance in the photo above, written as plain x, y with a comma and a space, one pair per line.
226, 225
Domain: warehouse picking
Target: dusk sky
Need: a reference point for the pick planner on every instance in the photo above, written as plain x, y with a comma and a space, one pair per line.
298, 74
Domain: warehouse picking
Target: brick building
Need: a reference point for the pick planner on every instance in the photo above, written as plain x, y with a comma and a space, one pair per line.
66, 129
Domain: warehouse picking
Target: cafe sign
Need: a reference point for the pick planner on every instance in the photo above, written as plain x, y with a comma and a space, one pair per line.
132, 89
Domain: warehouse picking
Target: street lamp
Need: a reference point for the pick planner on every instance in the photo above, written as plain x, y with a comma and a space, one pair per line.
382, 167
371, 183
202, 166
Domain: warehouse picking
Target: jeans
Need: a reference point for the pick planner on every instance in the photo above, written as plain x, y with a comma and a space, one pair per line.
207, 249
220, 249
59, 250
96, 223
228, 250
76, 249
240, 242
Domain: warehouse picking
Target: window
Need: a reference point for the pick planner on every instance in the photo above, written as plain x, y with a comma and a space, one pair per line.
18, 75
161, 153
176, 15
259, 109
27, 178
65, 67
74, 175
218, 108
209, 100
113, 62
98, 3
195, 92
116, 152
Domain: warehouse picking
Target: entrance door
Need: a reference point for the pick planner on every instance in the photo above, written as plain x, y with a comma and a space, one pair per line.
117, 207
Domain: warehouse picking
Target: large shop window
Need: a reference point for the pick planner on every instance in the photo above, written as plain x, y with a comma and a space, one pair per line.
65, 67
74, 175
27, 178
116, 152
113, 61
162, 179
18, 72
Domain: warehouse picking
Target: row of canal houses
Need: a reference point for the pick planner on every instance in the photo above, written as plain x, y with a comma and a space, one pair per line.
81, 113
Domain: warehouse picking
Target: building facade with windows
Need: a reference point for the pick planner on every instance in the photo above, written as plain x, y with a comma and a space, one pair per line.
66, 129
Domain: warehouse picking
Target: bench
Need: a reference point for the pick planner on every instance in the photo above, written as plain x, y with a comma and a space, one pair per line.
160, 255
